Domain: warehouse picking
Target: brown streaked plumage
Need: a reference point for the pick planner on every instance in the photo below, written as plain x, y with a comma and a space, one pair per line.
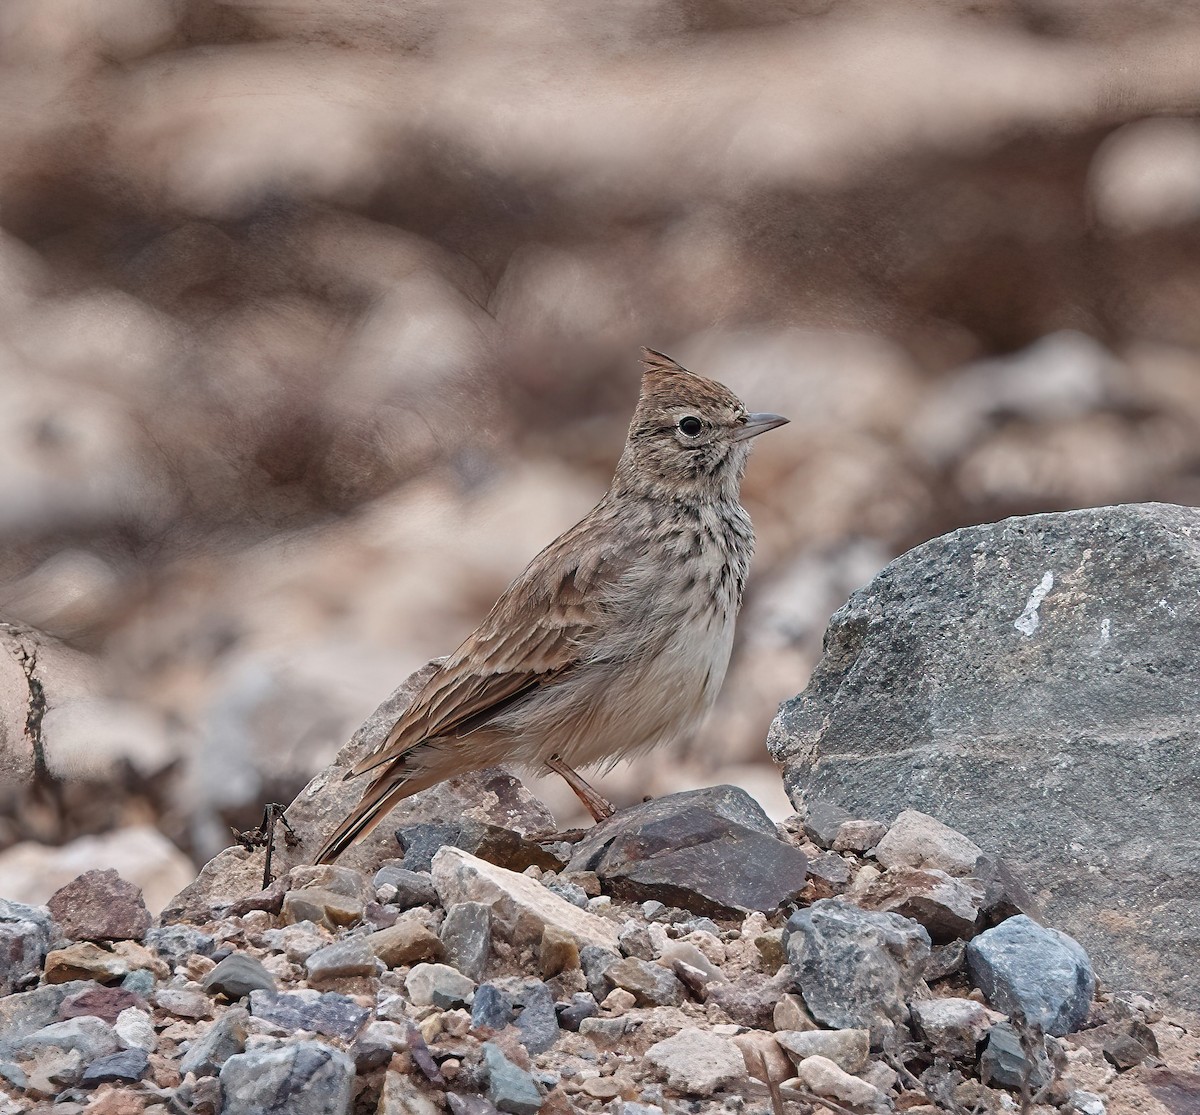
616, 636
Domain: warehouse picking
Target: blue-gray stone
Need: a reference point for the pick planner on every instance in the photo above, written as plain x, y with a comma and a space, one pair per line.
14, 1074
510, 1088
1032, 683
856, 968
23, 1013
25, 933
492, 1007
1022, 966
117, 1068
304, 1078
595, 960
140, 981
223, 1039
321, 1012
571, 892
1003, 1061
537, 1022
176, 943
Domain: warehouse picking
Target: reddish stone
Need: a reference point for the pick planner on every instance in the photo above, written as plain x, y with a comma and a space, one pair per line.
103, 1002
100, 906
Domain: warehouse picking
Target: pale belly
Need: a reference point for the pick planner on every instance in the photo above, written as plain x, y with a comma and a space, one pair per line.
666, 695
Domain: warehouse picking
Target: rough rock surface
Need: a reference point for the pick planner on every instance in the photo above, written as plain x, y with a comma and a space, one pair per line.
25, 937
1043, 973
675, 1010
513, 898
1007, 678
712, 850
856, 968
100, 906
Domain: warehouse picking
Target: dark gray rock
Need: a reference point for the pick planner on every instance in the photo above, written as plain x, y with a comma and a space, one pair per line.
304, 1078
571, 892
492, 1007
831, 869
710, 851
1004, 1063
223, 1039
1004, 895
1006, 679
1130, 1043
100, 906
238, 975
537, 1022
1022, 966
509, 1088
467, 937
945, 960
496, 844
326, 1012
856, 968
571, 1014
25, 938
176, 943
823, 821
413, 888
117, 1068
730, 802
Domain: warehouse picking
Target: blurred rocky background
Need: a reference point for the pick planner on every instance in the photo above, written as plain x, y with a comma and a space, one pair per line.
317, 320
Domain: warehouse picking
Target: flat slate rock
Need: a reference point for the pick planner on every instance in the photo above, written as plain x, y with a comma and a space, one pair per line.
1007, 679
326, 1012
712, 851
730, 802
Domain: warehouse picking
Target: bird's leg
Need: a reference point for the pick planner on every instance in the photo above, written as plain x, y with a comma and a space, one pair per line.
598, 806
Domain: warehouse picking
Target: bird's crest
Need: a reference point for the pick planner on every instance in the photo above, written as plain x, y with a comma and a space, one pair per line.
659, 362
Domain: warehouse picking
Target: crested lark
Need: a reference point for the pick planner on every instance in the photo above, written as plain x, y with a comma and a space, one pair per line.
616, 636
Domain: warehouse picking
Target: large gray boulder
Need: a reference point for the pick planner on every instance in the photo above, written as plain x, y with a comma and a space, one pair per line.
1036, 684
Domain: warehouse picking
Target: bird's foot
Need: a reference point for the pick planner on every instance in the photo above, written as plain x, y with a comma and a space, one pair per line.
594, 802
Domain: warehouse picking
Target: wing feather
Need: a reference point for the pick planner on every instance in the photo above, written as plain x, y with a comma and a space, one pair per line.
541, 626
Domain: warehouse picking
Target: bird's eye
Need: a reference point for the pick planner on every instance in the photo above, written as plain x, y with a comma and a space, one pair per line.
690, 426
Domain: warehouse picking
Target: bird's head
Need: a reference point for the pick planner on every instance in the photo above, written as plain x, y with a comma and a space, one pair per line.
690, 436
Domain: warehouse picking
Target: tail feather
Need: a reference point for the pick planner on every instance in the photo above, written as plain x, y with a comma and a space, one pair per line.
375, 804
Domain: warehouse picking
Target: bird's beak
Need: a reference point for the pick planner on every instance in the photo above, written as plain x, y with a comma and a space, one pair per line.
759, 424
